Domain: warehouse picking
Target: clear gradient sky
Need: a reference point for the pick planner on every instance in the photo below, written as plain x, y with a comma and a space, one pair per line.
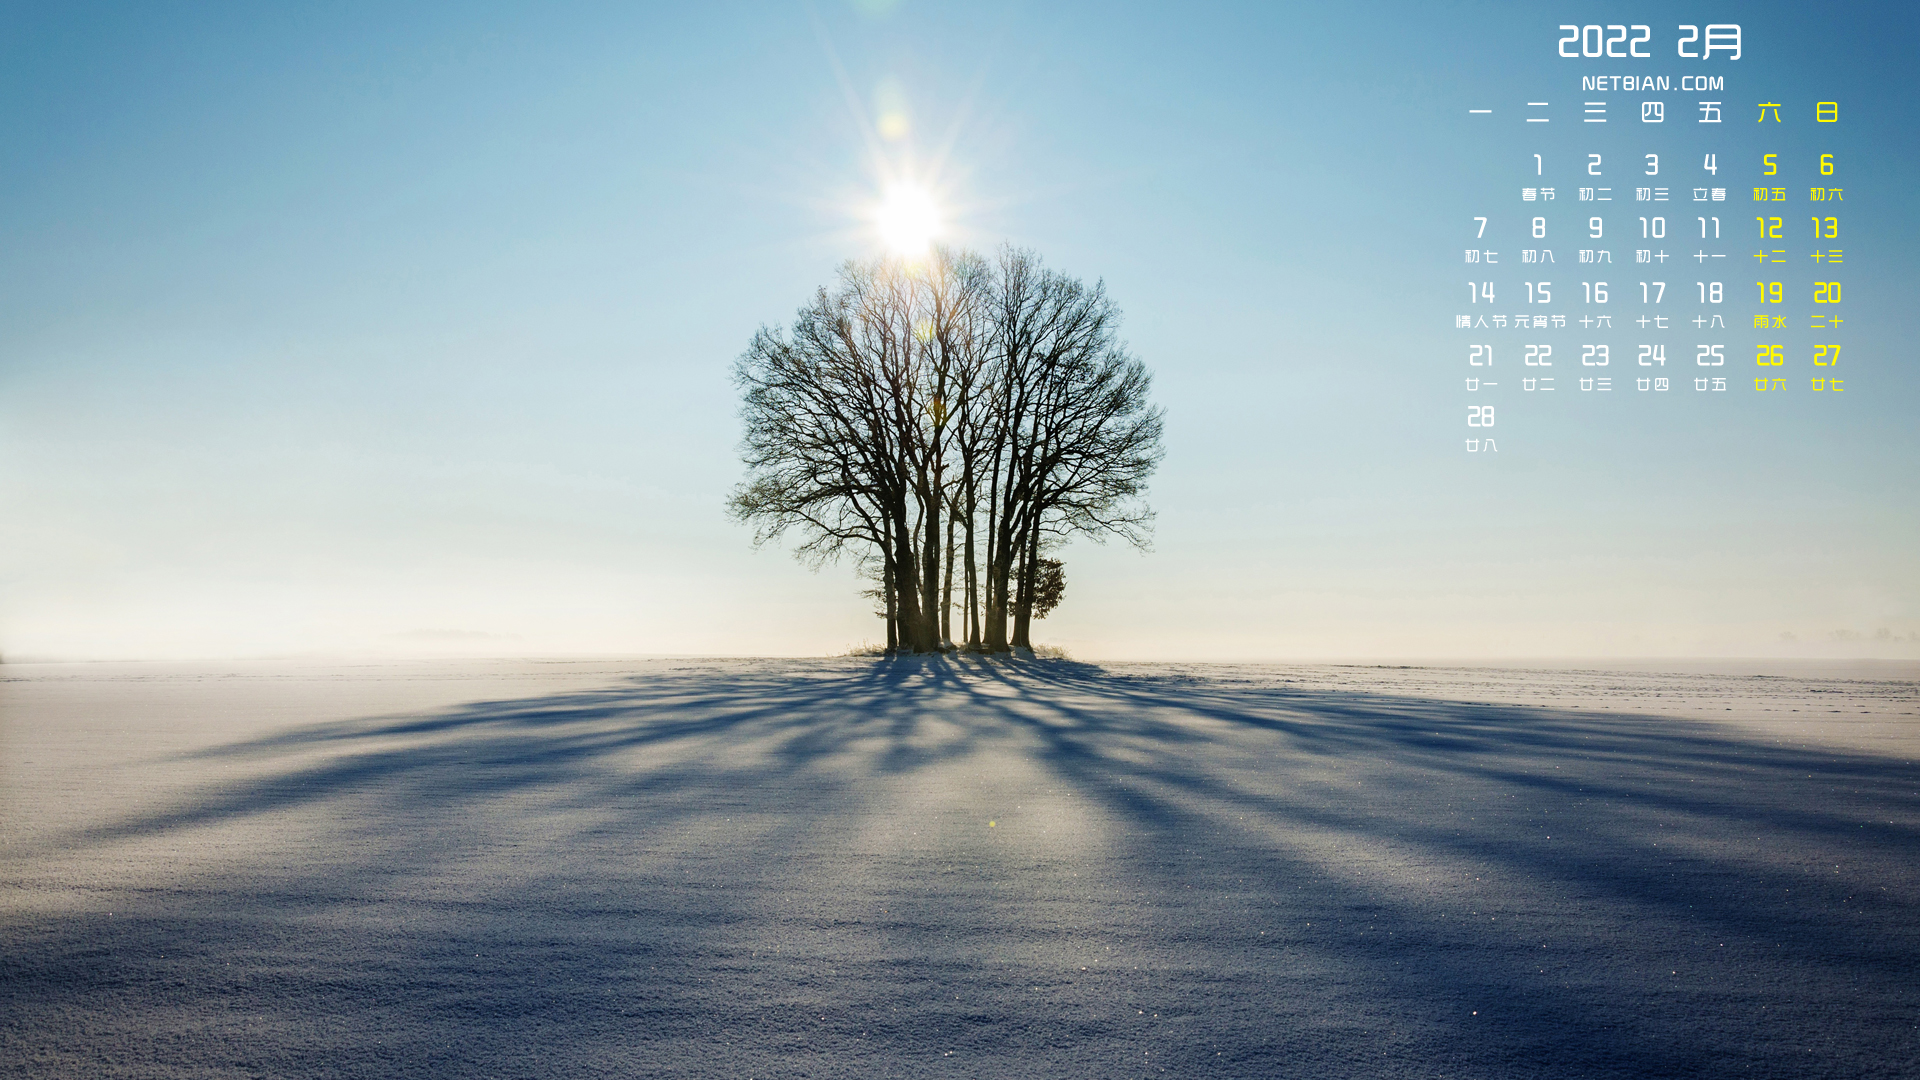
368, 330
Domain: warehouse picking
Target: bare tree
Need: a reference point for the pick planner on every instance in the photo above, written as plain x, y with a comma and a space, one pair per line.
920, 406
1077, 438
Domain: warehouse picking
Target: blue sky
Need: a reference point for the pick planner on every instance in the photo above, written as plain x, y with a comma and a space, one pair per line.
363, 330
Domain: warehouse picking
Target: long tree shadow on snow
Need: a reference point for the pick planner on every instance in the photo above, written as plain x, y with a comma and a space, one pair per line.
1209, 785
1652, 814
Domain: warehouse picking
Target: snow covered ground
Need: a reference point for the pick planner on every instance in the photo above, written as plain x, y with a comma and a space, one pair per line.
924, 868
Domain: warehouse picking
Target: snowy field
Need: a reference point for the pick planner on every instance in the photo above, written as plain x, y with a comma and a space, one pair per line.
866, 868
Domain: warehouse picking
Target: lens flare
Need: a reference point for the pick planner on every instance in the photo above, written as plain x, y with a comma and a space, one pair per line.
891, 120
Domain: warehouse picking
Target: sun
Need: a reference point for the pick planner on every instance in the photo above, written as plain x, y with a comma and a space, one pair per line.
909, 220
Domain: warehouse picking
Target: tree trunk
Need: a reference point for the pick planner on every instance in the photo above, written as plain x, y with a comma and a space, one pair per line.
999, 574
1000, 562
930, 568
973, 609
946, 589
1023, 609
907, 601
995, 607
886, 599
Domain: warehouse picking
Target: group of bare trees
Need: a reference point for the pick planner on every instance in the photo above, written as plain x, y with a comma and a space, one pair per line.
952, 410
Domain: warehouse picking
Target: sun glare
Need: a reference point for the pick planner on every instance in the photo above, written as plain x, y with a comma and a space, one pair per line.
908, 220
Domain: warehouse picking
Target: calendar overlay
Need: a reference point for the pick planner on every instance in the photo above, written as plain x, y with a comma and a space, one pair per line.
1682, 237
